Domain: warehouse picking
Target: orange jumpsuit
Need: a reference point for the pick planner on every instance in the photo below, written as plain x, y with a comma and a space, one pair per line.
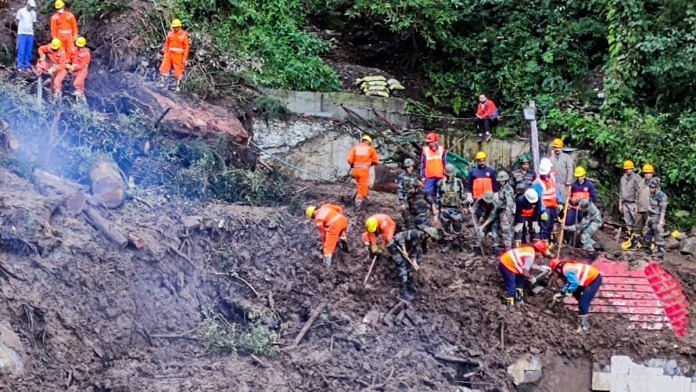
332, 225
360, 158
64, 27
55, 60
176, 52
80, 60
385, 226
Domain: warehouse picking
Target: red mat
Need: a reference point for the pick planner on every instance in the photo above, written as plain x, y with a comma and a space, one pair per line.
651, 298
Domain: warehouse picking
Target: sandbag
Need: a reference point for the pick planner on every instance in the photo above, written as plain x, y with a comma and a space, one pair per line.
377, 78
395, 85
378, 94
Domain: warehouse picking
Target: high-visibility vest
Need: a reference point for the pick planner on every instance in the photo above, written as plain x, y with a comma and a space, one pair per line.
326, 215
575, 197
361, 156
434, 167
64, 25
177, 43
481, 185
385, 226
549, 196
586, 273
515, 259
528, 212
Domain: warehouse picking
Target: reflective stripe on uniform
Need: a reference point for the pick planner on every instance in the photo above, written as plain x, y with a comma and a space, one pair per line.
176, 50
586, 273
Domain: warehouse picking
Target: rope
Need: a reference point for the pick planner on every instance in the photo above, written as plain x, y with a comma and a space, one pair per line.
288, 164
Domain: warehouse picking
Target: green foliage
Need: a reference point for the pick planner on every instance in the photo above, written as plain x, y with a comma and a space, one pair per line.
257, 30
271, 108
222, 337
95, 9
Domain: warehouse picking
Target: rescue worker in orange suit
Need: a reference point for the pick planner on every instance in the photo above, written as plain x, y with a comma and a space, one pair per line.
52, 60
378, 224
360, 159
64, 27
515, 266
332, 225
482, 179
176, 53
581, 189
79, 67
433, 160
582, 281
548, 188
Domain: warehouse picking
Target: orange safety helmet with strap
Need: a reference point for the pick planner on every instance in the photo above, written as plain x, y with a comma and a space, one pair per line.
515, 259
586, 273
434, 166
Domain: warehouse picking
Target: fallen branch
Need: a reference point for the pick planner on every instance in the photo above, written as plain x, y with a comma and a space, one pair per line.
453, 359
236, 276
259, 361
369, 271
105, 227
403, 253
312, 318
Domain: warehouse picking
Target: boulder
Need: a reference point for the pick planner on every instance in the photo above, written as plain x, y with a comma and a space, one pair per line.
688, 246
671, 243
527, 370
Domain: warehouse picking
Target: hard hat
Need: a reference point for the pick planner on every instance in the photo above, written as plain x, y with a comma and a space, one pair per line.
431, 137
524, 159
580, 171
557, 143
676, 234
81, 42
480, 155
489, 197
545, 166
408, 162
450, 169
503, 176
59, 4
531, 195
366, 138
584, 204
31, 3
177, 23
371, 224
648, 168
432, 232
56, 44
541, 247
310, 211
554, 264
628, 165
654, 183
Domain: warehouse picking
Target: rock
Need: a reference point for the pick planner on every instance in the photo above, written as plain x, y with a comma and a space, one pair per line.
688, 246
527, 370
191, 222
10, 360
671, 243
692, 232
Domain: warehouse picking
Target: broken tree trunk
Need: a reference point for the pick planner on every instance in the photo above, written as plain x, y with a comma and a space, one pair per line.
108, 188
105, 227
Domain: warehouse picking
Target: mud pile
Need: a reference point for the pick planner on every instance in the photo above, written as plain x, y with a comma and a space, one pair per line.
91, 317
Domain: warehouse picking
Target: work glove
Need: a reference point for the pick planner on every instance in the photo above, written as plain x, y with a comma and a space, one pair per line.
375, 250
469, 199
519, 227
559, 209
558, 297
532, 280
535, 227
51, 70
544, 216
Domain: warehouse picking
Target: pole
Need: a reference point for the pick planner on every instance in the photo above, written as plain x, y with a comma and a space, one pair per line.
39, 91
530, 115
560, 235
476, 228
369, 271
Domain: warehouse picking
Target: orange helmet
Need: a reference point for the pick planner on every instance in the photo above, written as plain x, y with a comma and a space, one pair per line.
554, 264
541, 247
431, 137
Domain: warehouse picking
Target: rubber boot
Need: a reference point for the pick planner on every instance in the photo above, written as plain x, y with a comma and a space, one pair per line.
583, 322
447, 247
480, 137
328, 261
163, 81
509, 302
488, 137
407, 291
358, 204
178, 85
519, 296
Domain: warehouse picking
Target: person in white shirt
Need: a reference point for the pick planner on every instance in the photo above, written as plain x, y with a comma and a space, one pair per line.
26, 17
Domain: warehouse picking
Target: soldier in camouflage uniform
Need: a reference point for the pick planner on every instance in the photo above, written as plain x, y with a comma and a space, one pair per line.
410, 242
488, 206
590, 223
418, 205
522, 178
656, 217
450, 198
506, 211
401, 190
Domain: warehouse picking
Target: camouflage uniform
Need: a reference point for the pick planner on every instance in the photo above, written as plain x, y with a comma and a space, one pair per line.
506, 215
522, 181
451, 195
411, 241
656, 231
401, 188
590, 223
488, 212
419, 205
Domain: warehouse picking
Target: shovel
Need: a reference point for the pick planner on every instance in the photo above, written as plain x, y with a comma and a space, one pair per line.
545, 271
403, 253
369, 271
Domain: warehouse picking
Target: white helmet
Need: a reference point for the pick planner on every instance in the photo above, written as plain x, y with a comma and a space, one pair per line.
531, 195
545, 166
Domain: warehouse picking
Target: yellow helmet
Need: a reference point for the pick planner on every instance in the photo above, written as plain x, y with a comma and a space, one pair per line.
480, 155
557, 143
648, 168
81, 42
56, 44
628, 165
676, 234
371, 224
59, 4
310, 211
176, 23
366, 138
580, 171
